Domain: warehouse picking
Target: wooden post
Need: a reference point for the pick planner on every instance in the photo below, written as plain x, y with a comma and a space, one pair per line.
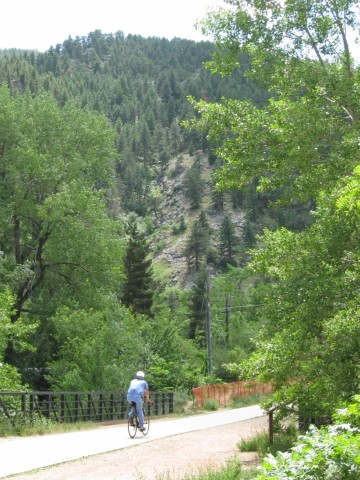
271, 425
171, 402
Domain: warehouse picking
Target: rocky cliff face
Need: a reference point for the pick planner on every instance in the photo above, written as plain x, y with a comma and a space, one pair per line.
169, 247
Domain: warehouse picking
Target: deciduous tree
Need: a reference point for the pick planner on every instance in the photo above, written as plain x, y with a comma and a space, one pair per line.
59, 245
304, 144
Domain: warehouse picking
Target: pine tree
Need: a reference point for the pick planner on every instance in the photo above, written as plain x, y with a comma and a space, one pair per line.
217, 200
194, 186
204, 222
137, 291
228, 242
248, 236
197, 244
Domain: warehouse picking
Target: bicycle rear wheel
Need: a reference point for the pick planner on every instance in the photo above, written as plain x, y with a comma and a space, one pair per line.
132, 425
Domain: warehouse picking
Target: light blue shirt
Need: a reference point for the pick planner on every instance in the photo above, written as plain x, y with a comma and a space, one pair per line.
137, 387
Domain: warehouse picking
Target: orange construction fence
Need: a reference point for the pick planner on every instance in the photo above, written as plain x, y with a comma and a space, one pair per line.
223, 393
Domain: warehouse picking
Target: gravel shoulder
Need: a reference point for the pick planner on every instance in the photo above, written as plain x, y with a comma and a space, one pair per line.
168, 458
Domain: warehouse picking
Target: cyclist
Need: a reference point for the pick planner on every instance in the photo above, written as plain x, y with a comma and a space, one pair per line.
138, 387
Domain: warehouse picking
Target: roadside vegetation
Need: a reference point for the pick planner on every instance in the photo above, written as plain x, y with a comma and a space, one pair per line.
111, 144
331, 452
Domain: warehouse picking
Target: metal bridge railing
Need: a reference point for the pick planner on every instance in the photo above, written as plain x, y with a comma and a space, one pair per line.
75, 406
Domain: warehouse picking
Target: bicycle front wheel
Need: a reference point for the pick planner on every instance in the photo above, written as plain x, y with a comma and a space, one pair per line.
146, 422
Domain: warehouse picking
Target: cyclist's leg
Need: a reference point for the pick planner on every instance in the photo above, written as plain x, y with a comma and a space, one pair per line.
138, 400
140, 413
132, 411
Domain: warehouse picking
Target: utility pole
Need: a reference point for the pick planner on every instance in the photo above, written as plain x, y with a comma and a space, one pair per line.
208, 328
227, 312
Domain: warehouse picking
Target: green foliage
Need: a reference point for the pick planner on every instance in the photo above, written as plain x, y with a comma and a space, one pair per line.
228, 242
140, 85
68, 177
288, 147
283, 440
194, 186
259, 443
71, 175
10, 379
289, 142
314, 342
236, 298
174, 362
40, 426
198, 307
137, 289
252, 399
52, 163
197, 245
180, 227
160, 373
98, 350
350, 413
231, 471
6, 302
331, 452
210, 404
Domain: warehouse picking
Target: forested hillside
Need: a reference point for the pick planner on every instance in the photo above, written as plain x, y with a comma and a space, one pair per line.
111, 220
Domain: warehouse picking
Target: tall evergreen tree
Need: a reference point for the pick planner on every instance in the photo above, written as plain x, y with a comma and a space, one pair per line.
228, 242
204, 222
217, 200
248, 234
198, 306
197, 244
194, 186
137, 290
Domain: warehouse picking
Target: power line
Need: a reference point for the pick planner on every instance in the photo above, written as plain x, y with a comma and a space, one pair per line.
222, 310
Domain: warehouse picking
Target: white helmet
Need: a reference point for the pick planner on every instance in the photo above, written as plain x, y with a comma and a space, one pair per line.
140, 374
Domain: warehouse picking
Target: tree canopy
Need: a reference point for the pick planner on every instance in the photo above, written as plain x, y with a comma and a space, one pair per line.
92, 131
303, 144
305, 137
56, 166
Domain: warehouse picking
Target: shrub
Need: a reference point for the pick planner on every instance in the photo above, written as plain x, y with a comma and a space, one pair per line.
231, 471
254, 399
283, 441
210, 404
326, 453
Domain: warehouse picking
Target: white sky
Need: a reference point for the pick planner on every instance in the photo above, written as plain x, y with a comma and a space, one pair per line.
40, 24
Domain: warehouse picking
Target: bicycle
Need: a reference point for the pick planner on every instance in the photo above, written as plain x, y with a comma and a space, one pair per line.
133, 423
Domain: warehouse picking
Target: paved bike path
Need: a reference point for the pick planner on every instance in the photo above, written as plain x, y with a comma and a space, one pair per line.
22, 454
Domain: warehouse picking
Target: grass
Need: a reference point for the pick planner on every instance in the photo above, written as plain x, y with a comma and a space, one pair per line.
247, 401
233, 470
210, 404
41, 426
183, 406
282, 442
